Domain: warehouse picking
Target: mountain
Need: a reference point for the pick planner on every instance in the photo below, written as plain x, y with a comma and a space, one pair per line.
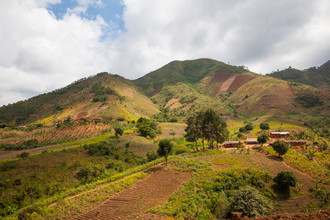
318, 77
180, 88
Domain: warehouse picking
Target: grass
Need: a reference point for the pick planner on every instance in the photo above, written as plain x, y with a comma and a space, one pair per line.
51, 173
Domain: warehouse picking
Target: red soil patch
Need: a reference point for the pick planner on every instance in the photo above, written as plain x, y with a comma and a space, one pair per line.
240, 80
81, 115
156, 91
217, 80
143, 195
223, 82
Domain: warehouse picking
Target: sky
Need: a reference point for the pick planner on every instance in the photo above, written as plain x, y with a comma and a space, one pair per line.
48, 44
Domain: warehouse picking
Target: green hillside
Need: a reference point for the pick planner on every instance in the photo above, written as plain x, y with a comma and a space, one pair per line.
315, 76
101, 95
191, 71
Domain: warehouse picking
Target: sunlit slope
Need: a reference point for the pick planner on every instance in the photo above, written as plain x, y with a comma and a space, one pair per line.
115, 97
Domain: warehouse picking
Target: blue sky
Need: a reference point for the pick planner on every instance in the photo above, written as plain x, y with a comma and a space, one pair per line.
110, 10
48, 44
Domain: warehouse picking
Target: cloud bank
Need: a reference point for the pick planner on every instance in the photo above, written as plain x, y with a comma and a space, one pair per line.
40, 52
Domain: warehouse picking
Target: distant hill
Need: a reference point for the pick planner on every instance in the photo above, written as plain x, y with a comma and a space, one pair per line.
176, 90
318, 77
102, 95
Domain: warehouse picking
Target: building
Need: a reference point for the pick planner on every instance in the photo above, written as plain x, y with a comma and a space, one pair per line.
251, 141
231, 143
282, 134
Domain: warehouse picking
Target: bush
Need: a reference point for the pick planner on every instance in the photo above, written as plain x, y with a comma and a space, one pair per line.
151, 155
249, 127
119, 132
280, 147
264, 126
285, 179
250, 203
23, 155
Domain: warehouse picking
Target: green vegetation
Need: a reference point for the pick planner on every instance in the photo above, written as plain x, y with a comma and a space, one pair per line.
315, 76
210, 193
206, 126
24, 182
183, 71
285, 180
263, 138
165, 147
280, 147
264, 126
250, 203
147, 128
119, 131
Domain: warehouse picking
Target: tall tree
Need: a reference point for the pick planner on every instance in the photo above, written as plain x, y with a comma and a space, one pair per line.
214, 128
192, 131
165, 147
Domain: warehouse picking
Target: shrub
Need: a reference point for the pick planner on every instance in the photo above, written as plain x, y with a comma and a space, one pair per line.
23, 155
119, 132
250, 203
249, 127
151, 155
242, 129
285, 179
264, 126
280, 147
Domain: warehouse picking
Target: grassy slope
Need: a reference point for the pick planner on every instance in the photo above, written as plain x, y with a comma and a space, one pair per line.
184, 100
77, 98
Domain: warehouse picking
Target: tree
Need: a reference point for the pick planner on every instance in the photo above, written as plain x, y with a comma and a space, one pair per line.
263, 138
144, 126
192, 132
280, 147
250, 203
249, 127
165, 147
264, 126
285, 179
213, 127
119, 132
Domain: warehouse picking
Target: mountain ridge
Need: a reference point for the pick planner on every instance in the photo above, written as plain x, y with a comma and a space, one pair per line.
183, 86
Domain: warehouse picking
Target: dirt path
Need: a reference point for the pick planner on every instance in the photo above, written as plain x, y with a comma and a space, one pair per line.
143, 195
13, 154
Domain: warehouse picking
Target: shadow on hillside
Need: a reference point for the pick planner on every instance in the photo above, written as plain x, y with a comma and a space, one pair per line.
153, 169
281, 194
276, 158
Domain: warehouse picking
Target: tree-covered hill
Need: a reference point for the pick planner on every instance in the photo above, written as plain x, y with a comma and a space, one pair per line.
318, 77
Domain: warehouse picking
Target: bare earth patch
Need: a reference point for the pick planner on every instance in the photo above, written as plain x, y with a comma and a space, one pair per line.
143, 195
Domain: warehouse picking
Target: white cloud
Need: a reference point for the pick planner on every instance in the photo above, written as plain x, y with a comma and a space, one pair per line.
40, 53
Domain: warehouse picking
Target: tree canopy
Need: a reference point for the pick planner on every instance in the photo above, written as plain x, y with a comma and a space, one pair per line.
280, 147
165, 147
206, 126
264, 126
